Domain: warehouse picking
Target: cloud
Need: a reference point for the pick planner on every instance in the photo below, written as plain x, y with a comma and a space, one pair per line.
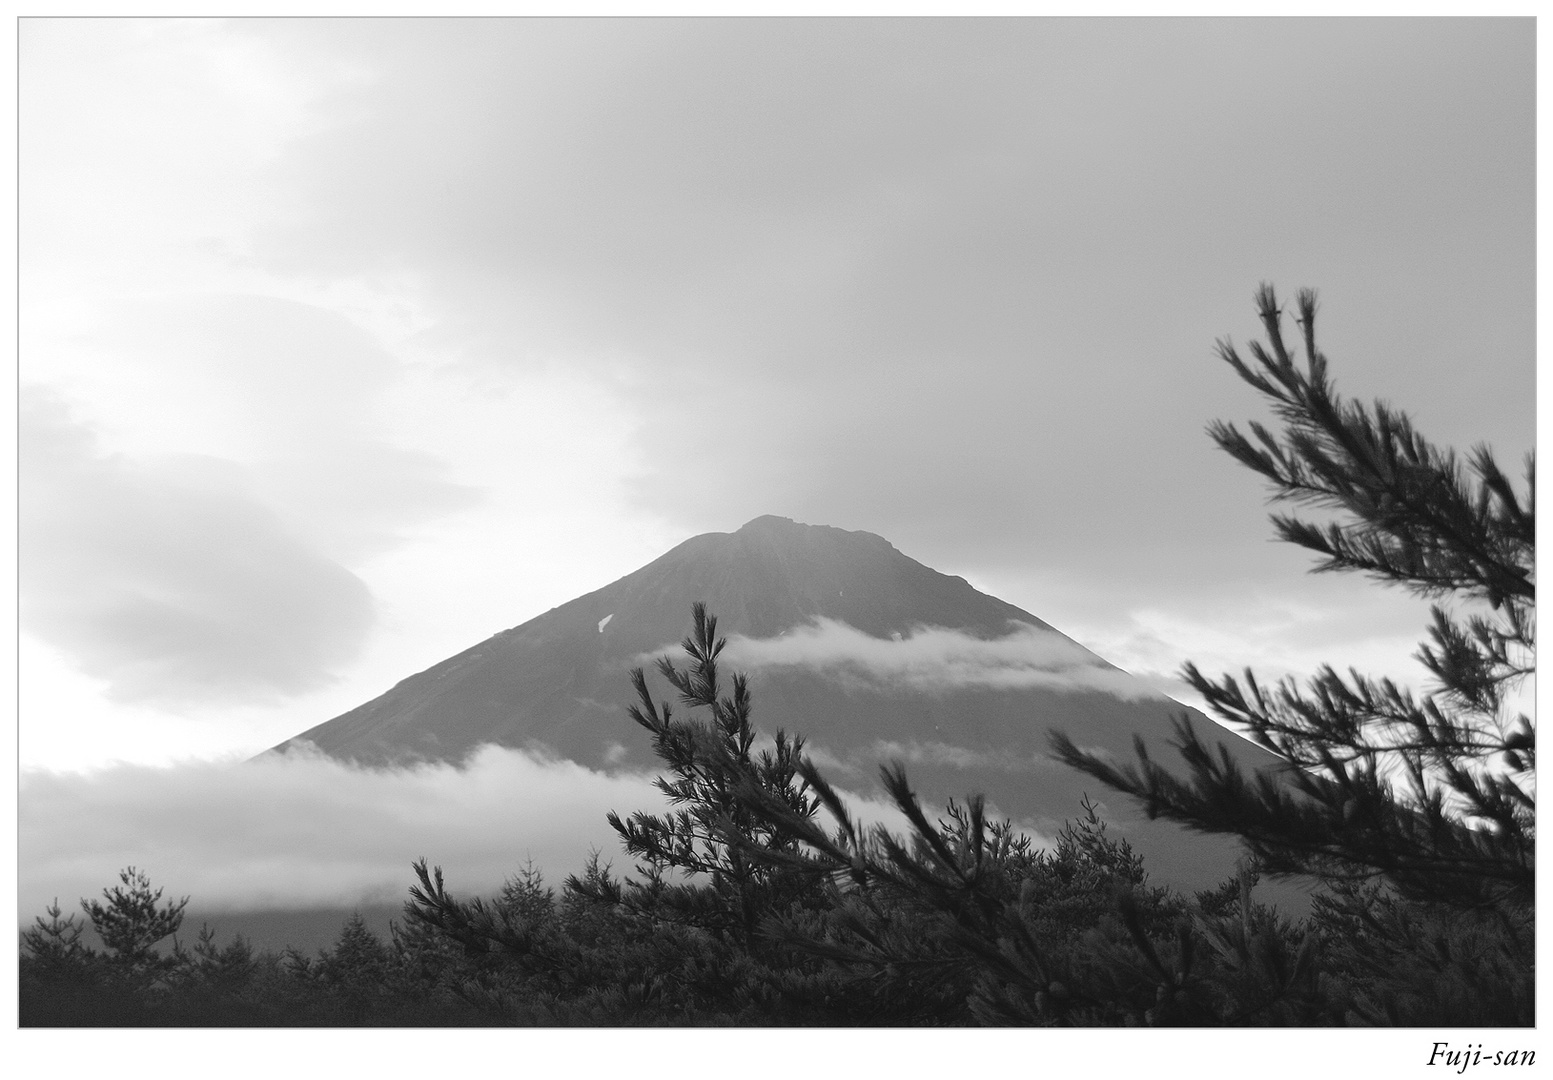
299, 394
933, 659
306, 830
167, 578
1277, 636
862, 766
895, 252
194, 521
956, 757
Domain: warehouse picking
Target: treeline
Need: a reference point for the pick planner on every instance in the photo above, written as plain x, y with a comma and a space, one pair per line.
359, 980
971, 926
757, 900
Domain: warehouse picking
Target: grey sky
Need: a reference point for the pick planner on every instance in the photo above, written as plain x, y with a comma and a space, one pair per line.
477, 316
954, 280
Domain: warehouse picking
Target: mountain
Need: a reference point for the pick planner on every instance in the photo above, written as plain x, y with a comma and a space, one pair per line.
868, 653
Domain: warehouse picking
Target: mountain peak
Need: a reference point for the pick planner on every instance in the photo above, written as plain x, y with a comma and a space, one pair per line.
885, 658
785, 530
769, 523
774, 525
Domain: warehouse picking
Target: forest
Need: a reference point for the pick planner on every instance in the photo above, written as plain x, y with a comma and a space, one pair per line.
757, 900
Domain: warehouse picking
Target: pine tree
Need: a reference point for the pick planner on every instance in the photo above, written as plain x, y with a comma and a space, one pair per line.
966, 922
357, 969
681, 939
713, 839
54, 948
217, 969
1430, 797
131, 922
1434, 792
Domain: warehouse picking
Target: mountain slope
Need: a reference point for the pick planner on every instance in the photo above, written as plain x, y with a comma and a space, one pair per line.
560, 679
833, 627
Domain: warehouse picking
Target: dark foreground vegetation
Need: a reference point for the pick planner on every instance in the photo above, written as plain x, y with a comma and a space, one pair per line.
759, 901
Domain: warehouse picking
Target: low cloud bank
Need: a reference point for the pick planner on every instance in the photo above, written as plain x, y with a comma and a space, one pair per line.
305, 830
933, 658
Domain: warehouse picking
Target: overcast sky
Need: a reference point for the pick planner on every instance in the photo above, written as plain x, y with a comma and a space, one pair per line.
345, 344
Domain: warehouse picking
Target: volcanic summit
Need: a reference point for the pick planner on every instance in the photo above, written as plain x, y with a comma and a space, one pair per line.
869, 654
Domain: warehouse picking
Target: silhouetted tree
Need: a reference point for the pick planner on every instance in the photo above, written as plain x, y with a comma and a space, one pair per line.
710, 840
64, 980
131, 920
1432, 792
965, 922
54, 948
1431, 796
